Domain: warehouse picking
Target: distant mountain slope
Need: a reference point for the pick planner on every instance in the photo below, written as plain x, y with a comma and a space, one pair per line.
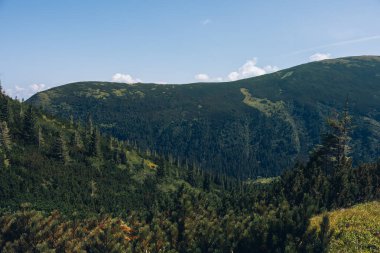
251, 127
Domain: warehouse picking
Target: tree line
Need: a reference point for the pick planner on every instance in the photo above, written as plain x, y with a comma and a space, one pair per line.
65, 186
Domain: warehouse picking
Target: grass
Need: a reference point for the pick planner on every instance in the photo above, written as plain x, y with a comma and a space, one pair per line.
263, 180
262, 104
119, 92
96, 93
356, 229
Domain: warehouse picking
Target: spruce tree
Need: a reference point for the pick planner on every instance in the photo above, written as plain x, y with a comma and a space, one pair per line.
332, 161
191, 176
29, 126
5, 139
41, 140
59, 149
77, 141
94, 145
71, 121
206, 182
89, 126
4, 109
4, 161
160, 170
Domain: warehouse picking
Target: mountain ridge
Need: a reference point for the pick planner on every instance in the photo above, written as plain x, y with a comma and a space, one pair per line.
228, 125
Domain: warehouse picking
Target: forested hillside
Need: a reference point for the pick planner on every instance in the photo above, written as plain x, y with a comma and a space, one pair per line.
247, 128
65, 186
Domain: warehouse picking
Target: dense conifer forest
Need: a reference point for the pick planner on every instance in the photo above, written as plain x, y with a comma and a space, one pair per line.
66, 186
252, 127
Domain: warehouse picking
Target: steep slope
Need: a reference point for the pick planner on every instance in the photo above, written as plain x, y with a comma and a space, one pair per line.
63, 165
252, 127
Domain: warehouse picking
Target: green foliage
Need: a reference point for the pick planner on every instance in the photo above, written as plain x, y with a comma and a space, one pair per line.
94, 144
4, 112
59, 148
5, 139
112, 197
29, 126
32, 231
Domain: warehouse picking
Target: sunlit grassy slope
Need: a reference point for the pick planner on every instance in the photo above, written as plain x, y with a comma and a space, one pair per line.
356, 229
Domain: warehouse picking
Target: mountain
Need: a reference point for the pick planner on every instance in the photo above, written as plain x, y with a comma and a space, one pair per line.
247, 128
65, 187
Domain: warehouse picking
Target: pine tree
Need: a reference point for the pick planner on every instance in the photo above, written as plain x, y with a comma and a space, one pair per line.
5, 145
71, 121
29, 126
4, 109
206, 182
89, 126
77, 141
342, 179
4, 161
41, 140
94, 144
336, 165
111, 144
59, 150
191, 176
160, 171
5, 139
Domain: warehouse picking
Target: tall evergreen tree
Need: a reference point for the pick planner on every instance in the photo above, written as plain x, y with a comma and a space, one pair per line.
191, 176
160, 172
29, 126
5, 138
77, 141
206, 182
89, 126
4, 160
94, 144
59, 148
4, 109
41, 140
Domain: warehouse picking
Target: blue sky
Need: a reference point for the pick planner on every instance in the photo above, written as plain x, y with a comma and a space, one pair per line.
45, 43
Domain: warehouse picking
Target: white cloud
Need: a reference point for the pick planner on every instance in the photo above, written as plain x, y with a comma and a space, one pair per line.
270, 69
202, 77
125, 78
319, 57
36, 87
206, 21
19, 89
26, 92
250, 69
233, 76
